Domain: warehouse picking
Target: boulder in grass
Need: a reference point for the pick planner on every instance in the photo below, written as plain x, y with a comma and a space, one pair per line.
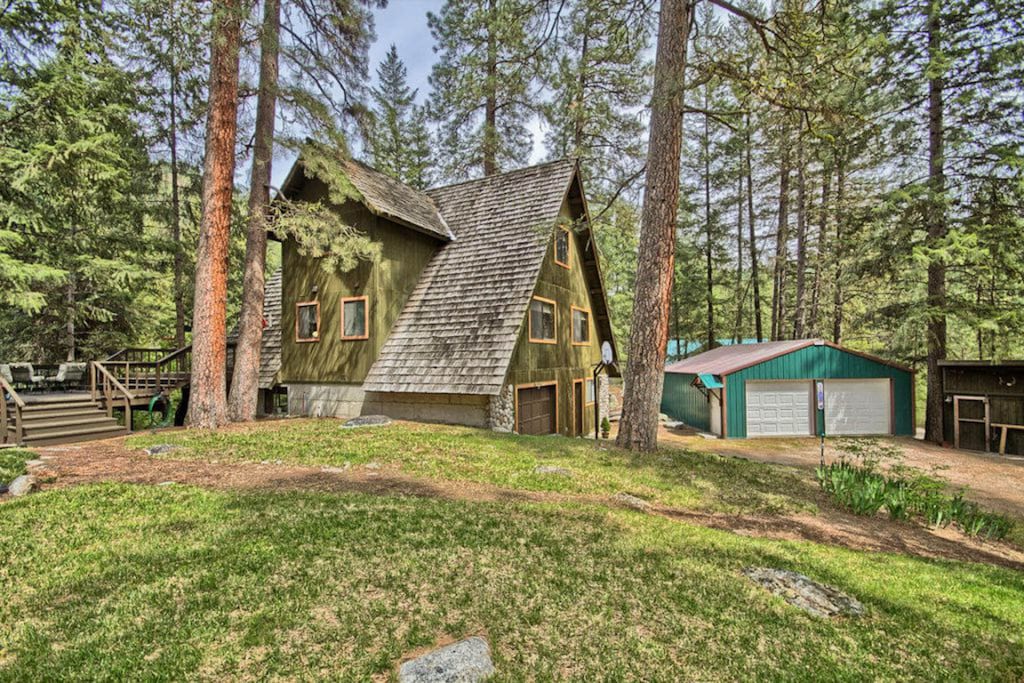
466, 661
632, 501
553, 469
803, 592
367, 421
161, 448
22, 485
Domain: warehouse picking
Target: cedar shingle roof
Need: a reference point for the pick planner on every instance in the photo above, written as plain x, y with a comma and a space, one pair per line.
391, 199
270, 349
458, 330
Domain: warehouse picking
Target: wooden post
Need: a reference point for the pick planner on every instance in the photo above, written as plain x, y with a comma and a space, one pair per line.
3, 413
19, 426
956, 422
92, 379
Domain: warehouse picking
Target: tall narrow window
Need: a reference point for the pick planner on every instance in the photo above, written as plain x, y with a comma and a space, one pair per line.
562, 247
542, 321
307, 321
580, 326
590, 392
355, 318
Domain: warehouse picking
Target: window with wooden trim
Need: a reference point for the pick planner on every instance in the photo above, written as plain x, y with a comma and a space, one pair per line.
580, 326
590, 393
562, 247
542, 321
355, 317
307, 321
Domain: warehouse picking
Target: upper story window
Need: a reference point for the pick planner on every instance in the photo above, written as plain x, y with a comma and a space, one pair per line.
307, 321
355, 318
580, 326
562, 247
542, 321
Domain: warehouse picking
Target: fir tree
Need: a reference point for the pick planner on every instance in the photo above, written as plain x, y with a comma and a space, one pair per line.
399, 139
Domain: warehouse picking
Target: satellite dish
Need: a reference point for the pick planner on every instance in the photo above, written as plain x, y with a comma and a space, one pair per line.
607, 355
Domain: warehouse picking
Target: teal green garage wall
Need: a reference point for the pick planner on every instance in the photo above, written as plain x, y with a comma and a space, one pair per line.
819, 362
682, 401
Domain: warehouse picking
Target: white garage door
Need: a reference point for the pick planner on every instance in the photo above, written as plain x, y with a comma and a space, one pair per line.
776, 408
857, 406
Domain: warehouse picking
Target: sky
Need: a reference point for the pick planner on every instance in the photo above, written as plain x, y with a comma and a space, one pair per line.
404, 23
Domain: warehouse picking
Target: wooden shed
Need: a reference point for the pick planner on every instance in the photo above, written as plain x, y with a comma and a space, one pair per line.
983, 407
790, 388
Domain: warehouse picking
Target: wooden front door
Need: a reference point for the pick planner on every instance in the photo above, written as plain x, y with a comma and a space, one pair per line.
536, 410
577, 407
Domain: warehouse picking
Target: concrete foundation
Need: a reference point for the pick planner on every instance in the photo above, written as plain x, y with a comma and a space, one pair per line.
349, 400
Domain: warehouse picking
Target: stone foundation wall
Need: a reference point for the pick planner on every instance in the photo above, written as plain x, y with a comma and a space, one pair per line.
501, 411
349, 400
604, 396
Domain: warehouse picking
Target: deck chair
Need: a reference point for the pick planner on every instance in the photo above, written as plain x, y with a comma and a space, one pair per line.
24, 374
70, 374
5, 372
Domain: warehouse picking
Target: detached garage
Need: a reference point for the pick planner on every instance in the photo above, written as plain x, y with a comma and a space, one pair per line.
790, 388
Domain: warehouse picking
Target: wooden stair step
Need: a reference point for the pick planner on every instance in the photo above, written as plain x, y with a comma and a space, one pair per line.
67, 434
42, 424
64, 412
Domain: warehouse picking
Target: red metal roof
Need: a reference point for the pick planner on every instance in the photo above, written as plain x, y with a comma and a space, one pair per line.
728, 359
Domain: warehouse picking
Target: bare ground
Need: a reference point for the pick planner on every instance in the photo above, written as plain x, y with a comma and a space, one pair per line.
996, 482
110, 461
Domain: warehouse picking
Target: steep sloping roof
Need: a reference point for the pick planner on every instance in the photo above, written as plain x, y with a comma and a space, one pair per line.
458, 330
389, 198
270, 349
728, 359
383, 196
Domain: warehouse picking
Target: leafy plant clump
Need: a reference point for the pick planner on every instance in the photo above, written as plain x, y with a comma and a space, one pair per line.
12, 464
863, 490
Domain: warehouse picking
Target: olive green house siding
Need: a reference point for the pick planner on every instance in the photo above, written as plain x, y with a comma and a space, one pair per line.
801, 362
447, 301
536, 363
386, 284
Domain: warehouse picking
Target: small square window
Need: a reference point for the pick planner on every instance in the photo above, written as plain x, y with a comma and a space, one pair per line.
542, 321
580, 326
590, 392
562, 247
354, 318
307, 321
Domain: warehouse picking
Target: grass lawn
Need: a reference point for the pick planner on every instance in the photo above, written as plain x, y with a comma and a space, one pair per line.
12, 464
114, 582
673, 477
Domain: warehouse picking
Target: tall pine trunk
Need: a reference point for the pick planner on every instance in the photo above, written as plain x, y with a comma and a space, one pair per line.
781, 239
838, 250
936, 300
819, 256
178, 285
490, 133
754, 277
800, 309
709, 240
638, 428
740, 294
244, 396
208, 401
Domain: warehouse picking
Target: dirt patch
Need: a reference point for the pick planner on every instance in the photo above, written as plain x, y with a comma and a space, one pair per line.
994, 482
110, 461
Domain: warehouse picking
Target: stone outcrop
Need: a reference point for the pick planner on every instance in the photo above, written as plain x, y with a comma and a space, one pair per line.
805, 593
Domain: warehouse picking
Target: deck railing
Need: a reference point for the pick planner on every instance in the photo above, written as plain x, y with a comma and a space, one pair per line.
9, 396
150, 370
101, 381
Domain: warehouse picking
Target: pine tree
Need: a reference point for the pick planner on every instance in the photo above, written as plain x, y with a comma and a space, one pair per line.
483, 82
399, 138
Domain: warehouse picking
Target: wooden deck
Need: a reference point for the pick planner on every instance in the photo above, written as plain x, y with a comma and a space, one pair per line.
125, 382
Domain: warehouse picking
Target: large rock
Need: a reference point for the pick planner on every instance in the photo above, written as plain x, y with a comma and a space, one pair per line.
161, 448
466, 661
632, 501
22, 485
805, 593
367, 421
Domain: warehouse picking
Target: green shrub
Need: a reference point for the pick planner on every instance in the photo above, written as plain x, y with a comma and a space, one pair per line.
863, 491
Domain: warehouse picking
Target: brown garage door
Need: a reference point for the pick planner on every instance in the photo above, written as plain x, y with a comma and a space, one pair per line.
537, 410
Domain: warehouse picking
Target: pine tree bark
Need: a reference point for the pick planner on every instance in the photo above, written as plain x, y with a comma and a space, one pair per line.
800, 309
243, 400
709, 240
490, 133
754, 276
740, 294
838, 251
638, 428
936, 300
172, 135
781, 239
822, 248
208, 402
